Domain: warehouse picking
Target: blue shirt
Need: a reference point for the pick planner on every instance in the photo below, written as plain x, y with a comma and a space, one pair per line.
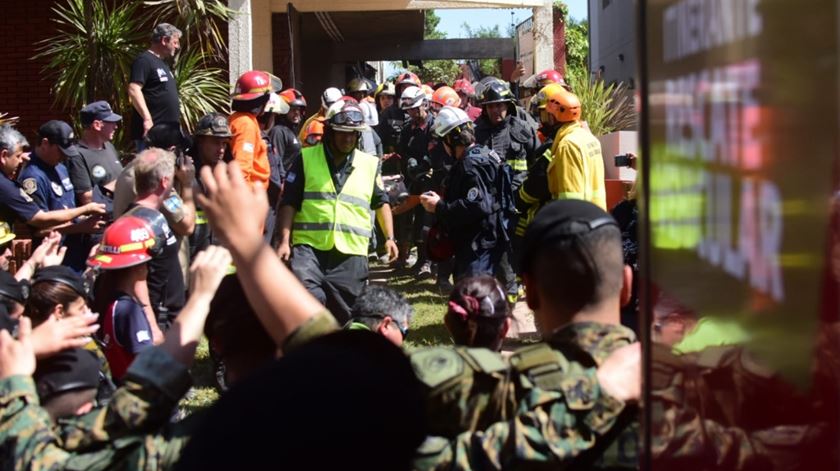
15, 204
48, 186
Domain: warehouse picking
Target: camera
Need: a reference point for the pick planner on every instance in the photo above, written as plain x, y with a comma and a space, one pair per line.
622, 160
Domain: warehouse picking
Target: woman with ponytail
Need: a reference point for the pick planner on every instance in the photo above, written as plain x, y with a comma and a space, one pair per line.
478, 315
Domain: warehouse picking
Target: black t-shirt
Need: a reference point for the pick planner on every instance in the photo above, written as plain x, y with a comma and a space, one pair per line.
159, 90
93, 167
285, 143
165, 280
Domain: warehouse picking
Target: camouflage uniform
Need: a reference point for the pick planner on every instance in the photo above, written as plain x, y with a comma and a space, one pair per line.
107, 438
540, 408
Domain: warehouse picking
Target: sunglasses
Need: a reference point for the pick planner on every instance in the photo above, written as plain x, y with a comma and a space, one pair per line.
403, 330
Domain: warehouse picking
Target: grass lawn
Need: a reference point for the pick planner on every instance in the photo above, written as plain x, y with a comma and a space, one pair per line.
426, 329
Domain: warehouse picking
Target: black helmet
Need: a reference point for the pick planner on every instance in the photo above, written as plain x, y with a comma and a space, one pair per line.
213, 124
496, 92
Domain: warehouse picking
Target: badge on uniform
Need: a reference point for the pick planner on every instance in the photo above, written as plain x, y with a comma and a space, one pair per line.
98, 172
472, 195
29, 186
248, 147
57, 188
173, 203
290, 177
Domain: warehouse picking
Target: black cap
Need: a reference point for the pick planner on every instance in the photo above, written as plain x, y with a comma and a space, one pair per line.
66, 371
60, 133
11, 287
562, 220
61, 274
213, 124
98, 110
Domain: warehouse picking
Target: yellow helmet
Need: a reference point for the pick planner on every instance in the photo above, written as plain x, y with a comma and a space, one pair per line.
6, 234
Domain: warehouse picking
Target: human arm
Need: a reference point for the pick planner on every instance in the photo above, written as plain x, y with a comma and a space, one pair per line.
45, 219
386, 222
471, 205
135, 95
244, 142
183, 211
284, 227
281, 303
80, 177
48, 254
289, 204
141, 292
534, 189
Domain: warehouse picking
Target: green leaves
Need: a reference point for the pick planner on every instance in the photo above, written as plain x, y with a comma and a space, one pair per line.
202, 89
90, 57
199, 20
604, 108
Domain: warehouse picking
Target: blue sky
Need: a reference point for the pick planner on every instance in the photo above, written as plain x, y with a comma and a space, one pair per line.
451, 20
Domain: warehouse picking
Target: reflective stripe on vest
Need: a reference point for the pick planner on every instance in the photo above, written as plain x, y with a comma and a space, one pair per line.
328, 219
200, 217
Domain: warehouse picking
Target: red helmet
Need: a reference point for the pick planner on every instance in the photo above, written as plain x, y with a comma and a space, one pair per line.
293, 97
546, 77
129, 241
254, 84
464, 86
408, 78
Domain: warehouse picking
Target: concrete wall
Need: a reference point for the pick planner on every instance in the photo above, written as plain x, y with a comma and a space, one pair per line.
613, 39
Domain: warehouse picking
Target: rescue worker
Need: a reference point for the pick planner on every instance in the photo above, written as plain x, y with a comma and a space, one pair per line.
392, 119
46, 181
544, 78
514, 140
314, 132
534, 192
470, 212
384, 97
359, 89
330, 96
327, 201
466, 91
276, 106
284, 135
211, 145
416, 142
577, 167
444, 96
252, 92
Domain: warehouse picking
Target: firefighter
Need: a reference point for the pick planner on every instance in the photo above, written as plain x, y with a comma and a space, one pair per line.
328, 197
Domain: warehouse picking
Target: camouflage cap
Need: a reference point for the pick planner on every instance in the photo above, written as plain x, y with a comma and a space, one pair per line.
213, 124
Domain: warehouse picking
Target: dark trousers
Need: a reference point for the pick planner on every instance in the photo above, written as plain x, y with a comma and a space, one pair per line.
334, 278
469, 262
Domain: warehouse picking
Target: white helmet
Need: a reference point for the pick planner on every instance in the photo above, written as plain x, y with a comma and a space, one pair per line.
330, 96
448, 119
412, 97
276, 104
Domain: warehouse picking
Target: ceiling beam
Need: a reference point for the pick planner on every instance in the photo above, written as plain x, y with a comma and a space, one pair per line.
488, 48
279, 6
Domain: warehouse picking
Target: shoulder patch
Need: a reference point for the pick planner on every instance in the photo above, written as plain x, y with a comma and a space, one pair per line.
472, 195
435, 366
29, 185
173, 203
25, 196
57, 188
98, 172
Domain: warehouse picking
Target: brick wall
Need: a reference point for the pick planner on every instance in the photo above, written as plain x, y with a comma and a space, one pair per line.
24, 92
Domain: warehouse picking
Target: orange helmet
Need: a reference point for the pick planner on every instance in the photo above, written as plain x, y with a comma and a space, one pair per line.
313, 132
560, 103
254, 84
446, 96
129, 241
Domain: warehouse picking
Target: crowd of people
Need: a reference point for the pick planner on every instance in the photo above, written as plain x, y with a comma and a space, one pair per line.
257, 231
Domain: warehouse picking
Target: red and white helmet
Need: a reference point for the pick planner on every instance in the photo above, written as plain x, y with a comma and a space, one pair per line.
412, 97
129, 241
254, 84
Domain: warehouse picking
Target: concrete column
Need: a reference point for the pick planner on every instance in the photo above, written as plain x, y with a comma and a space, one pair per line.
240, 39
543, 30
261, 50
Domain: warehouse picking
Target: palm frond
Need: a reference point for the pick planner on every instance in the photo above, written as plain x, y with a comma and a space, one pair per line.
201, 89
200, 21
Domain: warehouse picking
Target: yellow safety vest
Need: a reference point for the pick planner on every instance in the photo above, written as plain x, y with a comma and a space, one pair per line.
577, 170
329, 219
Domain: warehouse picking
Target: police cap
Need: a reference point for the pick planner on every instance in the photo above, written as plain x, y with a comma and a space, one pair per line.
69, 370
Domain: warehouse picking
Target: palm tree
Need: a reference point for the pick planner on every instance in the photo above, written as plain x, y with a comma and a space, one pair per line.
202, 89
